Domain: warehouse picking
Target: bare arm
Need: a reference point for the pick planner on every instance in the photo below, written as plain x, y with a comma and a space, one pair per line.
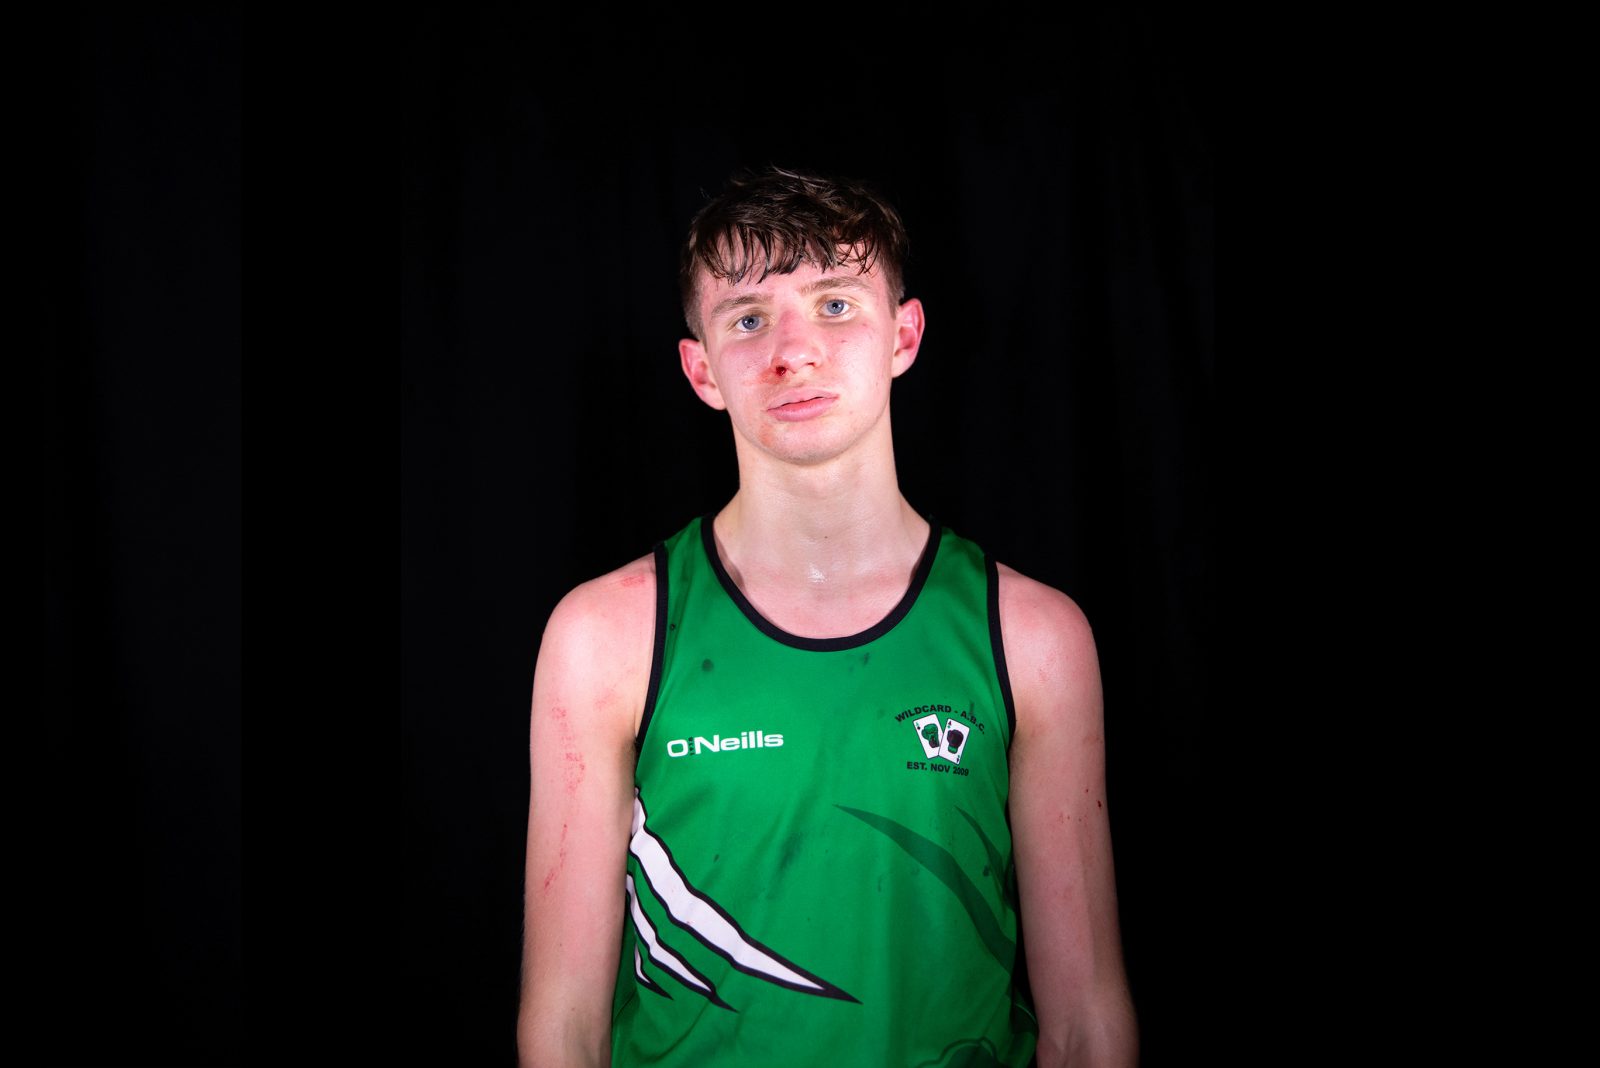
1061, 832
588, 692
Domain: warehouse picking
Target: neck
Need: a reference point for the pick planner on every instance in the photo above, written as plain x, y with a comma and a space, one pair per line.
820, 531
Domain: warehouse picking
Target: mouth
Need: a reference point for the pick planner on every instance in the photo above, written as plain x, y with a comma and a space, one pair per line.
799, 396
801, 404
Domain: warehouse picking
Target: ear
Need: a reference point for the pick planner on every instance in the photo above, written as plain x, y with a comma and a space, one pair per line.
697, 369
908, 329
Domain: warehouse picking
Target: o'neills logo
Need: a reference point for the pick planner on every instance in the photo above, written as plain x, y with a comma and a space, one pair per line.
718, 744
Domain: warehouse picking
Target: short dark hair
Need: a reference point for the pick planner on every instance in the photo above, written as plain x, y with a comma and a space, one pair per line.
775, 219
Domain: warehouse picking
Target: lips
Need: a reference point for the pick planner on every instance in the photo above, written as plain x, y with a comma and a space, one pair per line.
799, 396
800, 404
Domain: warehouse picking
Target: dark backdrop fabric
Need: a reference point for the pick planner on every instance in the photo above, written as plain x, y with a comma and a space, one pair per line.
1057, 187
123, 861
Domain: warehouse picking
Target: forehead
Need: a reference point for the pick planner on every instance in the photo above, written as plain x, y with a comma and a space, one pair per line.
806, 279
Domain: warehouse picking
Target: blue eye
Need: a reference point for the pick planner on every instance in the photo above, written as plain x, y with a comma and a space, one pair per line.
747, 323
843, 306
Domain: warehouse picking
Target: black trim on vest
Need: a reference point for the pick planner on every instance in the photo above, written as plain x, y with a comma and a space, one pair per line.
826, 645
999, 644
659, 654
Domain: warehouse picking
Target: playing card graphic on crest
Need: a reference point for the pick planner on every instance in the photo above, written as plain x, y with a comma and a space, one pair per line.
929, 734
954, 741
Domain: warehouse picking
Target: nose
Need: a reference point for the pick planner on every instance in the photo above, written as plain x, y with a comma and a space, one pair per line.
794, 345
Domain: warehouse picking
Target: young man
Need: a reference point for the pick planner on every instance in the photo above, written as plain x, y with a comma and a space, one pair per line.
803, 776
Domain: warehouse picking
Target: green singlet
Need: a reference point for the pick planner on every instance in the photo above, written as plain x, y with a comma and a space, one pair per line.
820, 868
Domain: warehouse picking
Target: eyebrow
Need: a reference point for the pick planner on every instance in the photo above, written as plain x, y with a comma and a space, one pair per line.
831, 281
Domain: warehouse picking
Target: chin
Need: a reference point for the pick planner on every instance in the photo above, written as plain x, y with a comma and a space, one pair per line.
805, 444
805, 455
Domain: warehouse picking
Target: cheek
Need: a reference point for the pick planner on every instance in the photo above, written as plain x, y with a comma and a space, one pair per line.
745, 363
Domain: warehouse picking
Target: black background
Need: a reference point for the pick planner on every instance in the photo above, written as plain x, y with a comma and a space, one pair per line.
125, 857
1057, 186
1057, 189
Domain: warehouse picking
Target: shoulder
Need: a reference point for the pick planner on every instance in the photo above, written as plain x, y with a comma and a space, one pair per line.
599, 641
1040, 611
612, 605
1050, 651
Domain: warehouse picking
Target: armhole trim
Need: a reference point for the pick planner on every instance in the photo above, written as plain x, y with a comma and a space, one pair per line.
999, 646
658, 653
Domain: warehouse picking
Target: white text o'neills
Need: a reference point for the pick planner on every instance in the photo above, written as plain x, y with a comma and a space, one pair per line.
718, 744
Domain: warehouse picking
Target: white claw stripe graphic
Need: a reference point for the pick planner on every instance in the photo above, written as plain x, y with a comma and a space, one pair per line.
707, 921
638, 968
659, 953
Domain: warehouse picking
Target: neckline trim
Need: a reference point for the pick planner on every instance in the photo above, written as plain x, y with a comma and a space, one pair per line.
919, 578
